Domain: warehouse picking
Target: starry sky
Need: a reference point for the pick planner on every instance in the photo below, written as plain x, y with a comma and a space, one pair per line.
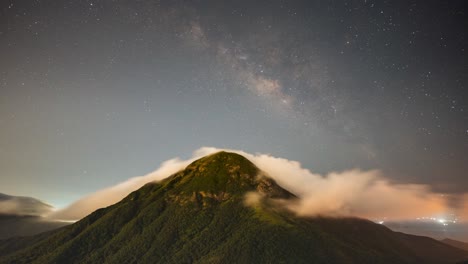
94, 92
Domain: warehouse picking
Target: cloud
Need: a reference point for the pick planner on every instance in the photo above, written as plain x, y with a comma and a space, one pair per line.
354, 192
114, 194
462, 210
18, 205
350, 193
252, 198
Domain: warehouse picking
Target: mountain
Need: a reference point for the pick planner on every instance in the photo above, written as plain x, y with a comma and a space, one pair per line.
220, 209
21, 216
456, 243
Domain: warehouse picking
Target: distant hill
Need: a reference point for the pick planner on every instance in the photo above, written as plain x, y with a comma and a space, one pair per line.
457, 231
220, 209
456, 243
21, 225
21, 216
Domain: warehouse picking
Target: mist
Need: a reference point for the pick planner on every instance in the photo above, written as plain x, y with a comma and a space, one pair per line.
23, 206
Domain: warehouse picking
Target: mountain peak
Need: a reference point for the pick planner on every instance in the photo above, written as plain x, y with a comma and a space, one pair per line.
233, 162
231, 173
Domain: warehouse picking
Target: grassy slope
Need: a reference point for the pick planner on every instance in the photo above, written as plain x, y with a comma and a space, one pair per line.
198, 216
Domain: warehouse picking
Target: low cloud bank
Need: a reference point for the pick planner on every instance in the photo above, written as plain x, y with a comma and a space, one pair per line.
18, 205
355, 192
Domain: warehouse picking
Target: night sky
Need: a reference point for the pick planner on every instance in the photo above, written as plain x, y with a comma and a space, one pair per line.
95, 92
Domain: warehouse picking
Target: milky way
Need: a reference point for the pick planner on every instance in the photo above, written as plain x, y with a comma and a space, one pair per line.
94, 92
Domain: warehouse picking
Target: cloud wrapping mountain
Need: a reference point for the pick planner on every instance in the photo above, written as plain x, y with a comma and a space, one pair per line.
348, 193
113, 194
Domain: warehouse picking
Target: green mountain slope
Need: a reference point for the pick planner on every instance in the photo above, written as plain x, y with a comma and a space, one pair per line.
200, 215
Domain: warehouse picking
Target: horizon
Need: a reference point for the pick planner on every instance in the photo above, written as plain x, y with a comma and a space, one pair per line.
440, 222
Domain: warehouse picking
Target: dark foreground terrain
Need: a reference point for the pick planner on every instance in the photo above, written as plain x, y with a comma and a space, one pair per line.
25, 225
455, 243
200, 215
